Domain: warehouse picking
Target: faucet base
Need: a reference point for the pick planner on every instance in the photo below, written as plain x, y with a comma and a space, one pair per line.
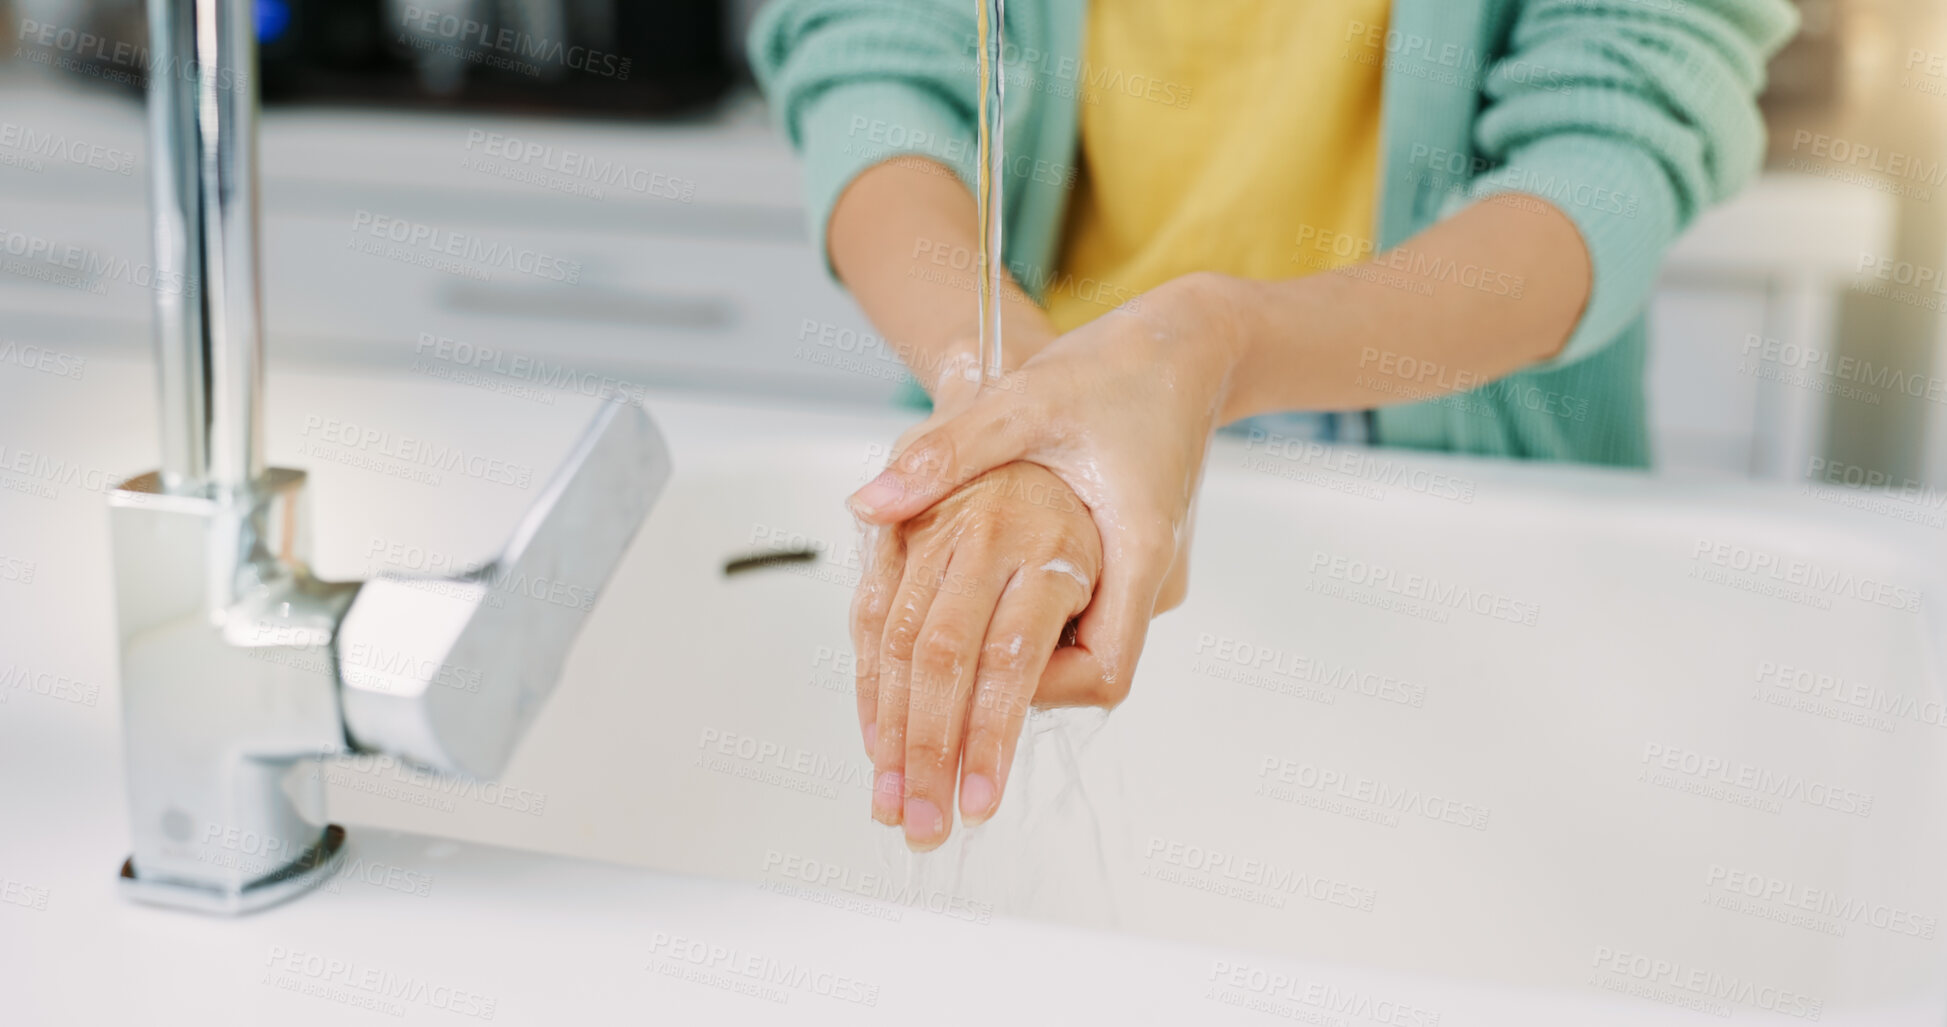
309, 870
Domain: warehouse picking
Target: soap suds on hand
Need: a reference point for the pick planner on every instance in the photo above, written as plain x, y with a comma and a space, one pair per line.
1060, 566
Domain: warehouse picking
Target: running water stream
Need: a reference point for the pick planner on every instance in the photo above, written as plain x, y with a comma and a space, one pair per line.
1043, 854
987, 184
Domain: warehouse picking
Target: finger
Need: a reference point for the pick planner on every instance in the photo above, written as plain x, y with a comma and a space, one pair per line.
886, 561
1098, 668
918, 584
993, 430
1026, 627
944, 661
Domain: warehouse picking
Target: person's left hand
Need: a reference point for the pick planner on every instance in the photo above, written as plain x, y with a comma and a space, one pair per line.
1122, 410
957, 613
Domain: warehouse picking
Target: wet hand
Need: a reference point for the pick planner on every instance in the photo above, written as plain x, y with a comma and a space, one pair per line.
1121, 410
958, 613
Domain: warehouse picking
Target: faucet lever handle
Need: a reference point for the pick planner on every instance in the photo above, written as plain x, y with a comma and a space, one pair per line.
449, 672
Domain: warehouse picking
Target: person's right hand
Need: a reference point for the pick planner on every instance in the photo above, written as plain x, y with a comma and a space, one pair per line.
955, 619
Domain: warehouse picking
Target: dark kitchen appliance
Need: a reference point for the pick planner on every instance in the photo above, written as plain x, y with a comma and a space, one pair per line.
623, 57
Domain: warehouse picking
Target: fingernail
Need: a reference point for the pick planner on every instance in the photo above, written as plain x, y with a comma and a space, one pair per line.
876, 494
976, 798
871, 739
888, 790
925, 827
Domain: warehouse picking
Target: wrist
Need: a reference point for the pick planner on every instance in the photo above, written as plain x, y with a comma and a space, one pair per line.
1212, 314
1279, 330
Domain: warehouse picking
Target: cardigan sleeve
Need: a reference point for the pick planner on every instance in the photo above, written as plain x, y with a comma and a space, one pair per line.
858, 82
1631, 116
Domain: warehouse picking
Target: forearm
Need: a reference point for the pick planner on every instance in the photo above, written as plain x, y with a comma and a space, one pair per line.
904, 239
1493, 289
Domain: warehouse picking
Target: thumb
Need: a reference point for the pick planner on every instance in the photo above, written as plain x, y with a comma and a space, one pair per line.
989, 433
1098, 668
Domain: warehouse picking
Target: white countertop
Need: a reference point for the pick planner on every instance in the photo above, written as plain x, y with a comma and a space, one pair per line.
428, 930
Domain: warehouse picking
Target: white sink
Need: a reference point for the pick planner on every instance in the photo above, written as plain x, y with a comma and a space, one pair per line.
1555, 768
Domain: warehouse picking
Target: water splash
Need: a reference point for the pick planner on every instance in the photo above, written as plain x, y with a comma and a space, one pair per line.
1044, 855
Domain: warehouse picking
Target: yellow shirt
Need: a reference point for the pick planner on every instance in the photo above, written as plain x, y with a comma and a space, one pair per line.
1239, 136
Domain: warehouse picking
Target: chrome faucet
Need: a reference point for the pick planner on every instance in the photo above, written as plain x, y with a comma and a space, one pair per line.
241, 672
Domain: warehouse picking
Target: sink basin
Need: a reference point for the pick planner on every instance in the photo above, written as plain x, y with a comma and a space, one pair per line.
1434, 740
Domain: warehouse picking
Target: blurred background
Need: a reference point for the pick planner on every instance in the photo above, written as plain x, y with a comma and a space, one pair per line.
1797, 330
